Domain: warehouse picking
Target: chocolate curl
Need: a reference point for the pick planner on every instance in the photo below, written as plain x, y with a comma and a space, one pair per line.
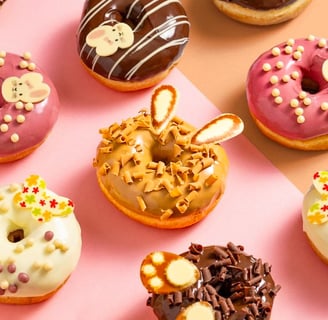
224, 127
162, 109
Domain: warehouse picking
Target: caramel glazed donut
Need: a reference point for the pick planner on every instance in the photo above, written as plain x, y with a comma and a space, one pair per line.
132, 44
40, 241
161, 171
209, 283
287, 93
29, 106
262, 12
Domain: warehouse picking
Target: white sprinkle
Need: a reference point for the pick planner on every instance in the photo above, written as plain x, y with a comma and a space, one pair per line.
275, 92
266, 67
307, 101
275, 51
4, 127
300, 119
20, 118
294, 103
14, 138
7, 118
324, 106
274, 79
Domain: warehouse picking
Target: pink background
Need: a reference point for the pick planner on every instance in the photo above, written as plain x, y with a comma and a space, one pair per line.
260, 209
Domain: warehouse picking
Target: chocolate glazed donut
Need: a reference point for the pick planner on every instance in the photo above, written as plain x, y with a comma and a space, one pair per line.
155, 34
231, 283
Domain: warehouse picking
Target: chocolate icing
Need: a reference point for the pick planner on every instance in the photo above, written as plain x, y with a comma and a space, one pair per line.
262, 4
237, 285
171, 35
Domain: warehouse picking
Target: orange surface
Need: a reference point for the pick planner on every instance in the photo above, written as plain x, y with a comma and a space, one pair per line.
217, 60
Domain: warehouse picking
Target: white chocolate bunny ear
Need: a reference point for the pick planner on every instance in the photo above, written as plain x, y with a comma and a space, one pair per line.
224, 127
163, 105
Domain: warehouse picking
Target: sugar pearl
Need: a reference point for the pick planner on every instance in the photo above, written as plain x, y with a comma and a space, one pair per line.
302, 95
290, 42
2, 62
294, 103
20, 118
7, 118
324, 106
295, 75
307, 101
280, 64
4, 284
27, 55
4, 127
3, 54
297, 55
322, 43
288, 49
266, 67
278, 100
286, 78
19, 105
300, 119
275, 92
311, 37
299, 111
275, 51
29, 106
300, 48
23, 64
14, 138
31, 66
274, 79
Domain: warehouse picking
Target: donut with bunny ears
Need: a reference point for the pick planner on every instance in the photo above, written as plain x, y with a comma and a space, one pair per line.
159, 170
28, 106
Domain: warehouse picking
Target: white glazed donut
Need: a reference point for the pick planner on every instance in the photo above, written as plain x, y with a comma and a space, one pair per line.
315, 214
40, 241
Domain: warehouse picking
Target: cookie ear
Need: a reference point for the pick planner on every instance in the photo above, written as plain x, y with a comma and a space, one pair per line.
100, 38
163, 105
224, 127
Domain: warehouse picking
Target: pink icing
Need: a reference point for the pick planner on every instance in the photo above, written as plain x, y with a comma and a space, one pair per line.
33, 125
276, 93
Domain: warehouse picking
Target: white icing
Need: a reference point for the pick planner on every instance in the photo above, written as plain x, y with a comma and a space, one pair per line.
47, 263
317, 233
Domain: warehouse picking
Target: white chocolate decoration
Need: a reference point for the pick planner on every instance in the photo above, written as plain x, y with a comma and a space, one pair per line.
325, 70
165, 272
200, 310
36, 256
108, 39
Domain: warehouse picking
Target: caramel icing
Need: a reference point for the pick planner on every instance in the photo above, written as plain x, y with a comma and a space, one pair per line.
161, 175
262, 4
160, 32
232, 285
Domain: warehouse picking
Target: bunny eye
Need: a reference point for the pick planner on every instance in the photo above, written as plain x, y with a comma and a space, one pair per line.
20, 84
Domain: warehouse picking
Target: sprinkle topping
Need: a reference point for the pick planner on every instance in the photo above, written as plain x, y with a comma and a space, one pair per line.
318, 212
43, 205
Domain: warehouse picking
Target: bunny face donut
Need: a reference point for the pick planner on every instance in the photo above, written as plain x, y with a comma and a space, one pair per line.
208, 283
161, 171
315, 214
132, 44
287, 93
28, 106
262, 12
40, 241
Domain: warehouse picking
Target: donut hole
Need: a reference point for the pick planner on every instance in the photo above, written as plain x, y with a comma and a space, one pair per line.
16, 235
164, 153
309, 85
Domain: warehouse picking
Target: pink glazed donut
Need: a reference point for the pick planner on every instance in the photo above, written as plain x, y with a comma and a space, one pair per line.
28, 106
287, 93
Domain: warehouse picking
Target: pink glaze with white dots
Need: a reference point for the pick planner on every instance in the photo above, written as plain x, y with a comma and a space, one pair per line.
287, 88
28, 105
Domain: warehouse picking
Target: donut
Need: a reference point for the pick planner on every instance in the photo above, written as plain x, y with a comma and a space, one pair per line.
161, 171
40, 241
315, 214
292, 79
29, 106
208, 283
132, 44
261, 12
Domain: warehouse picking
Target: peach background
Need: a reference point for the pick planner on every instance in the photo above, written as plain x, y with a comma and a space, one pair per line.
262, 203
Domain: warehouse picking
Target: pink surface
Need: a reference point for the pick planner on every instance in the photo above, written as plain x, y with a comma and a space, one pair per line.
260, 209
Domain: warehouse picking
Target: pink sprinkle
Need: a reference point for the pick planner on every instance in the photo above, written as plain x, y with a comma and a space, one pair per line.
11, 268
1, 268
48, 235
12, 288
23, 277
2, 292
